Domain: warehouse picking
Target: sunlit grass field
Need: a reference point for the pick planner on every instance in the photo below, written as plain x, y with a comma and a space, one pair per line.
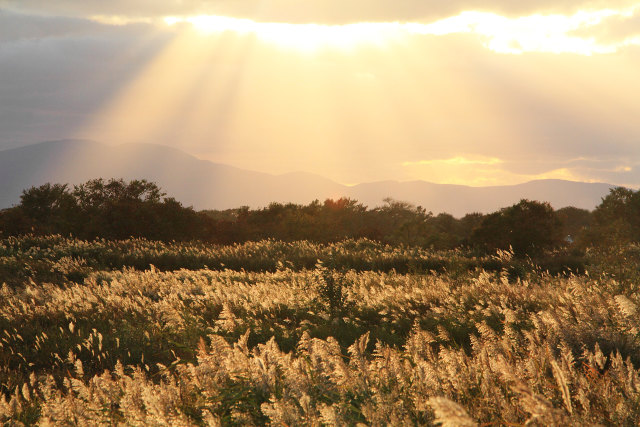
144, 333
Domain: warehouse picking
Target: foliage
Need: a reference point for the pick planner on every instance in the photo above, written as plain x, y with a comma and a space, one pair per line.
56, 258
116, 209
332, 289
574, 221
527, 227
112, 209
617, 219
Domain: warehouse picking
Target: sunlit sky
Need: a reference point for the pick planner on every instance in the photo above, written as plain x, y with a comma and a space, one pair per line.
464, 92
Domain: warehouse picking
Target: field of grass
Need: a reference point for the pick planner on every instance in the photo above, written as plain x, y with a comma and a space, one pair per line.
144, 333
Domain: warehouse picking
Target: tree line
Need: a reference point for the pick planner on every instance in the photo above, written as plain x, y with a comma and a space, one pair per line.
116, 209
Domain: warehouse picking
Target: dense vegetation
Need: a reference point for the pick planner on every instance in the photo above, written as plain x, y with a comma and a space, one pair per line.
56, 258
117, 209
364, 336
112, 209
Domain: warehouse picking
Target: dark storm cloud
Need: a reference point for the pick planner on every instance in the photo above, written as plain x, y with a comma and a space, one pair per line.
297, 11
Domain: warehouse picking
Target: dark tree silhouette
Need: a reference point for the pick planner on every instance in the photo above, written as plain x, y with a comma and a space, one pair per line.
117, 209
112, 209
617, 219
528, 227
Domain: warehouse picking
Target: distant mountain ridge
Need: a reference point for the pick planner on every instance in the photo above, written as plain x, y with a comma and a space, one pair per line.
208, 185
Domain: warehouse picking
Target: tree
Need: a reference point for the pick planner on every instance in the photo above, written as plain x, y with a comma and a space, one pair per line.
49, 208
575, 222
467, 225
112, 209
445, 233
528, 227
118, 210
405, 223
617, 219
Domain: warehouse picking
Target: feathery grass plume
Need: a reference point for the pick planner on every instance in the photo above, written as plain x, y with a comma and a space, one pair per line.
449, 413
626, 306
563, 384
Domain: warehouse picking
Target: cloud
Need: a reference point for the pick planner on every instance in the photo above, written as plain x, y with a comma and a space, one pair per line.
481, 172
306, 11
512, 27
455, 161
534, 33
25, 27
615, 29
19, 26
501, 34
462, 171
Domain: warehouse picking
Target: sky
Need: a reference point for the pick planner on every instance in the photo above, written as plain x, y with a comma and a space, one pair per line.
469, 92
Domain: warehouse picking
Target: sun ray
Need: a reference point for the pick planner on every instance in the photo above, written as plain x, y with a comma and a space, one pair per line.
165, 93
308, 94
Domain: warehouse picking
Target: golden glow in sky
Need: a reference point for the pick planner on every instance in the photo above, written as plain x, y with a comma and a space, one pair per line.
477, 98
456, 161
534, 33
302, 37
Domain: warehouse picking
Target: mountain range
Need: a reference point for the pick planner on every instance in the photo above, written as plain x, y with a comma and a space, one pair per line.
207, 185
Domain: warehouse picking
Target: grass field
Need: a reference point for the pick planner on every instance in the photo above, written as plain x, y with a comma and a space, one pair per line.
137, 332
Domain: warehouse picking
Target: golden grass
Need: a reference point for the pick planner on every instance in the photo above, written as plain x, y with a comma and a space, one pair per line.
220, 347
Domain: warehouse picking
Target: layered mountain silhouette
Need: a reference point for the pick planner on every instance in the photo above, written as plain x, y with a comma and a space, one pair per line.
208, 185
